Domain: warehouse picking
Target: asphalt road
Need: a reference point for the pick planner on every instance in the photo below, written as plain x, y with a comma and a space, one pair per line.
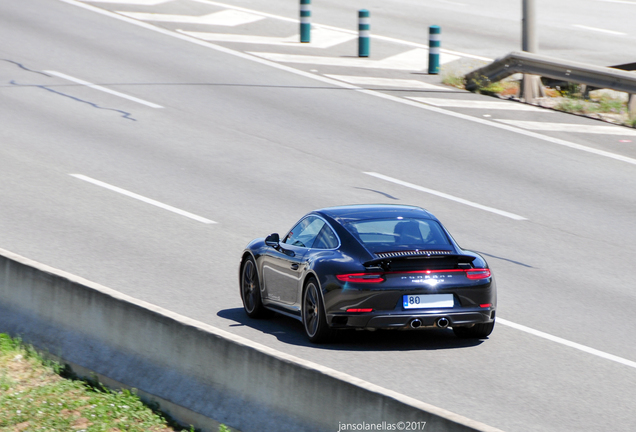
253, 147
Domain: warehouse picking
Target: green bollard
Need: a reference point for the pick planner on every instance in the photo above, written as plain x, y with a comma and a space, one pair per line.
364, 27
434, 44
305, 21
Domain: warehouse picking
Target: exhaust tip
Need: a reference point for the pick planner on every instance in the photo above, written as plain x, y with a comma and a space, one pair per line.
416, 323
443, 322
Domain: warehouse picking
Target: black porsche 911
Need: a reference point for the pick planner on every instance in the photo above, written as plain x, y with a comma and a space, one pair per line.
369, 267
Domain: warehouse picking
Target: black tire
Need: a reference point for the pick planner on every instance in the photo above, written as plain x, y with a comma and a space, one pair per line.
478, 331
313, 313
251, 290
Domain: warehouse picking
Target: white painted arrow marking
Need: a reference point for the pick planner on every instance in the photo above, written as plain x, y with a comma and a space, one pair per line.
412, 60
227, 18
320, 38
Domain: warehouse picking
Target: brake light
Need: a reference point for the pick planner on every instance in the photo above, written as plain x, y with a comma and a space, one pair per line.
361, 277
487, 305
478, 274
359, 310
380, 277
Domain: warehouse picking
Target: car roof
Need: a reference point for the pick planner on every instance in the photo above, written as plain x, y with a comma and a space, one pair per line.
354, 213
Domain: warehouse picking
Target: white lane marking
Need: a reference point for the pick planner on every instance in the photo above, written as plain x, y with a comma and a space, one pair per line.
570, 127
494, 105
132, 2
390, 82
599, 30
412, 60
568, 343
317, 25
446, 196
227, 18
103, 89
333, 82
618, 1
320, 38
450, 2
142, 198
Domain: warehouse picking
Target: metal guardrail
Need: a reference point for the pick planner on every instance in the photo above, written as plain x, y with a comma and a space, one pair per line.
550, 67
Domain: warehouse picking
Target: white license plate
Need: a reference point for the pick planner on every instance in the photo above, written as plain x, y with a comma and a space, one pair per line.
428, 301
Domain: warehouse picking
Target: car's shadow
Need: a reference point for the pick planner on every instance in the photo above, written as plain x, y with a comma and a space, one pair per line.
290, 331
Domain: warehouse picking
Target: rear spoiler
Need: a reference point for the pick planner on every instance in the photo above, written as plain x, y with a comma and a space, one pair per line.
461, 259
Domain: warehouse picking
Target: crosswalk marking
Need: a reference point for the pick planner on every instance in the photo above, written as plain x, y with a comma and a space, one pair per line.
132, 2
568, 127
492, 105
389, 82
412, 60
227, 18
320, 38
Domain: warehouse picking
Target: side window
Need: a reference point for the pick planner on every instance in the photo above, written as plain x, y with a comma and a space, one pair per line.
305, 232
326, 239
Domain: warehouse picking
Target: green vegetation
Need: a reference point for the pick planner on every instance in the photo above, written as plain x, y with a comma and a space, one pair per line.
484, 85
571, 106
35, 396
453, 79
487, 87
571, 98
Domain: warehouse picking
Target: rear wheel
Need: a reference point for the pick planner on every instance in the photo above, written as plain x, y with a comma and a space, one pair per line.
478, 331
314, 317
251, 290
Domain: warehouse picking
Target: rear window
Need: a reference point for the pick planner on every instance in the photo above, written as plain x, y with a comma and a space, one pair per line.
381, 235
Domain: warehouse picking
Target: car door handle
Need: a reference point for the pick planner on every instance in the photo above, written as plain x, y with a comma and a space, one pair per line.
294, 266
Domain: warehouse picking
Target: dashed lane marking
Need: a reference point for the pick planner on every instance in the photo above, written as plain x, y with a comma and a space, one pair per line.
492, 105
447, 196
620, 1
567, 343
103, 89
320, 38
143, 198
227, 18
569, 127
599, 30
132, 2
412, 60
389, 82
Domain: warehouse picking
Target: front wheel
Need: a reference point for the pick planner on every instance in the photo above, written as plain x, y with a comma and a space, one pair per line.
251, 290
314, 317
478, 331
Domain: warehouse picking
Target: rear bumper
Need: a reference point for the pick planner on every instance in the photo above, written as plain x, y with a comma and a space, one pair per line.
403, 320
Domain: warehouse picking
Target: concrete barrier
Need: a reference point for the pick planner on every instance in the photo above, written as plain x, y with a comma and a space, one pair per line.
197, 372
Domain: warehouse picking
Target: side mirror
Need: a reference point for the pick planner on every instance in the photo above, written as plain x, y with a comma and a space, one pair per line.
272, 240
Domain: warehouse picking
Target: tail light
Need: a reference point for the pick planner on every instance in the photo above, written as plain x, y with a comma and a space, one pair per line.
361, 277
359, 310
478, 273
